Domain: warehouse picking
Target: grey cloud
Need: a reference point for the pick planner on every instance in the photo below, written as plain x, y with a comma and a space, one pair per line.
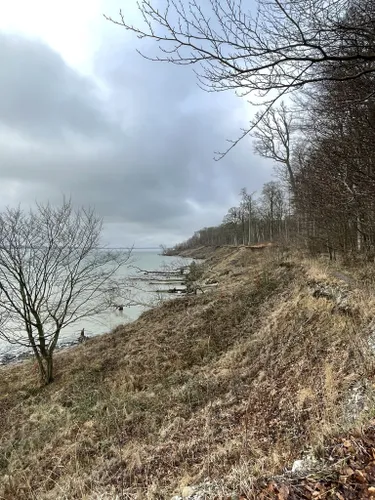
144, 160
41, 96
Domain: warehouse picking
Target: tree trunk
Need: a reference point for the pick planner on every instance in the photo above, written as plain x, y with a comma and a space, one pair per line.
249, 240
39, 358
359, 235
42, 368
49, 369
45, 364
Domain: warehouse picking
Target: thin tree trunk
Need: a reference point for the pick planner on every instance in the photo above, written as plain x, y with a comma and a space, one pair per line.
42, 368
249, 241
49, 369
359, 236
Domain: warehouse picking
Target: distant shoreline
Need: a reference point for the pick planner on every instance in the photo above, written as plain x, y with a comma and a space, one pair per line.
14, 358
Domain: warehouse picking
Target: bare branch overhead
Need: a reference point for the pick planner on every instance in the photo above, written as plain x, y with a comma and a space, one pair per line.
269, 45
263, 49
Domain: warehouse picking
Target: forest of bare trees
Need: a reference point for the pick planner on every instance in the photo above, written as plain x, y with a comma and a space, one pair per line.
257, 218
310, 67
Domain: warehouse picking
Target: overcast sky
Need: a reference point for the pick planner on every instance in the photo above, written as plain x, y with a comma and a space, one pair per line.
83, 115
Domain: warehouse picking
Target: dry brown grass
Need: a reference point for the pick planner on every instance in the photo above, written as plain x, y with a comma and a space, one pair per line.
230, 385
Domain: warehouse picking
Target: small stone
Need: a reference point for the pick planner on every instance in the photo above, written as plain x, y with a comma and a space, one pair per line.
187, 492
301, 466
298, 466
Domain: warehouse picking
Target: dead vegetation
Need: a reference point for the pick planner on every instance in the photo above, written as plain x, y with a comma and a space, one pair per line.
227, 387
349, 475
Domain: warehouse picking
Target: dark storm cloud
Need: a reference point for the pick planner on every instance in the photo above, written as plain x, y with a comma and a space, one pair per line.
143, 157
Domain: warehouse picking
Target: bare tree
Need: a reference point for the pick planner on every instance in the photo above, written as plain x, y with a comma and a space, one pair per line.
53, 273
235, 219
247, 206
273, 207
273, 139
275, 48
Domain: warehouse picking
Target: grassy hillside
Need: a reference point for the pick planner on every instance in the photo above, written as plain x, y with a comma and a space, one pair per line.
215, 391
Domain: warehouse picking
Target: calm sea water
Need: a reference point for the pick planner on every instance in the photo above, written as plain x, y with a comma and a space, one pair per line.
143, 296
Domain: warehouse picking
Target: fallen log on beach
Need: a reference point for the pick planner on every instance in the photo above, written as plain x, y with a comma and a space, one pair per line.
167, 282
173, 290
180, 271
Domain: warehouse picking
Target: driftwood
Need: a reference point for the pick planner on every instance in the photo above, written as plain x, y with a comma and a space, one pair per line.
190, 289
181, 270
173, 290
259, 246
172, 282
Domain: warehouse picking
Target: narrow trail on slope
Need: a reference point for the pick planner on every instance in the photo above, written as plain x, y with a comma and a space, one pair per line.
344, 277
